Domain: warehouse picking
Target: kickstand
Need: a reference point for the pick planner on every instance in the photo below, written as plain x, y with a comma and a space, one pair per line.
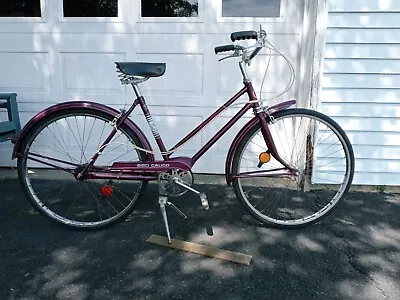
163, 201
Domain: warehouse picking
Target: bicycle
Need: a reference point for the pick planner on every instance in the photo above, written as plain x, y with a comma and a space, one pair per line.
289, 167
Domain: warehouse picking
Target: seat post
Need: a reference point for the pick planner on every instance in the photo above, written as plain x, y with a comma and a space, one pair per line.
136, 90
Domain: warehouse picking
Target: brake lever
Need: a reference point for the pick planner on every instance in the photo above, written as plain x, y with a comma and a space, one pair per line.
234, 54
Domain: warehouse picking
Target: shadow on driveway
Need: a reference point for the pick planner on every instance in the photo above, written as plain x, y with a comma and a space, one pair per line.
352, 254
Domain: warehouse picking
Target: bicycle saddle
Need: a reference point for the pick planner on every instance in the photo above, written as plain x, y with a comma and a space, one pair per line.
141, 69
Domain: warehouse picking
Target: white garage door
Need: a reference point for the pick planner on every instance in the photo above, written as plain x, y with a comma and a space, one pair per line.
59, 50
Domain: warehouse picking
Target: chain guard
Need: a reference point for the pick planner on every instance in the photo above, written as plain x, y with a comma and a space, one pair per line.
166, 179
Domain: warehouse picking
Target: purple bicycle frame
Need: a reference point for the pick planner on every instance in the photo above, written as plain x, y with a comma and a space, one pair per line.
135, 170
148, 170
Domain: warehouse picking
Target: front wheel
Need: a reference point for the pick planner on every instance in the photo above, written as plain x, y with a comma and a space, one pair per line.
316, 147
61, 145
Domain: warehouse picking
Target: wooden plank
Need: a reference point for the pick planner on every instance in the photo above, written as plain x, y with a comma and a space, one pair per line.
210, 251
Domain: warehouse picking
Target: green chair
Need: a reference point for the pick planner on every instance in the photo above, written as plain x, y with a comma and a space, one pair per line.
9, 130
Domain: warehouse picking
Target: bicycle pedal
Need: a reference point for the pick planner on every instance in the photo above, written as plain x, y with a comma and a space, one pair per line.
204, 201
209, 230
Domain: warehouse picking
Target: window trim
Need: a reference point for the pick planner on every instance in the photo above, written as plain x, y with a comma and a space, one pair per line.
198, 19
118, 19
221, 19
41, 19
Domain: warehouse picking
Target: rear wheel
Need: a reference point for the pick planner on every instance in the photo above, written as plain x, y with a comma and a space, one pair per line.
316, 147
61, 145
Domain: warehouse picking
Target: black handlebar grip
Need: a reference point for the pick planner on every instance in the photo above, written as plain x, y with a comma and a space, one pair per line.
224, 48
244, 35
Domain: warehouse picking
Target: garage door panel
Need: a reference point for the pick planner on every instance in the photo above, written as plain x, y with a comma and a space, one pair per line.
64, 59
184, 74
27, 71
171, 43
230, 79
85, 42
89, 73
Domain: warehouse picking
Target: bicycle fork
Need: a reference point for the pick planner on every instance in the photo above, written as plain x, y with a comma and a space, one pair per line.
163, 202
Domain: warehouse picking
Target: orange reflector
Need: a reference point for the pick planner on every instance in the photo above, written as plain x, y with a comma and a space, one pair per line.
264, 157
106, 191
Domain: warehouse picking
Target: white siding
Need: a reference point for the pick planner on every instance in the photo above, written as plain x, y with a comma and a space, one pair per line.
361, 84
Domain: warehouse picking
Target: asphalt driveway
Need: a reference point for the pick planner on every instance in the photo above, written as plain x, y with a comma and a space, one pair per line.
352, 254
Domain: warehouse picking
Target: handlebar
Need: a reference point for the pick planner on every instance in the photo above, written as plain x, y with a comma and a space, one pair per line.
244, 35
260, 36
224, 48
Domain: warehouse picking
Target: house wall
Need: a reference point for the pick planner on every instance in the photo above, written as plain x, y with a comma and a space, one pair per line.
53, 59
360, 86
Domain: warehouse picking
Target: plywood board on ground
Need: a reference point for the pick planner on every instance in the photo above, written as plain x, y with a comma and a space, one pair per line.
210, 251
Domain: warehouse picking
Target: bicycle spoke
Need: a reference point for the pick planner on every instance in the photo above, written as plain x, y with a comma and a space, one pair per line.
80, 146
62, 137
64, 149
90, 133
99, 206
123, 195
302, 197
81, 140
279, 137
319, 166
101, 136
72, 203
262, 147
51, 148
49, 189
67, 139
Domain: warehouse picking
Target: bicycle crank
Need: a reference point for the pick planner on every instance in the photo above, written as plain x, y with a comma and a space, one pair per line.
167, 180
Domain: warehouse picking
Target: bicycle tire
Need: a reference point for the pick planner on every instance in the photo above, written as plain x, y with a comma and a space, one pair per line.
314, 180
65, 200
